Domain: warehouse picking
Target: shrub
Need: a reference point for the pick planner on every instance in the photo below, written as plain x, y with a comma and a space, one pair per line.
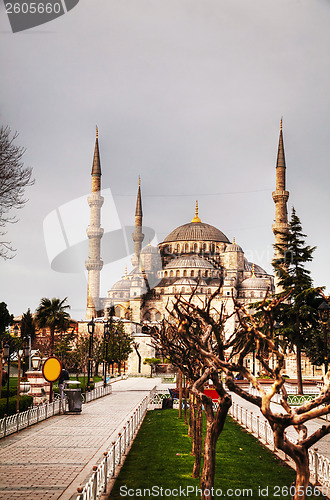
24, 403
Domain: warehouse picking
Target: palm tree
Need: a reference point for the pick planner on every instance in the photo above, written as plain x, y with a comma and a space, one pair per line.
52, 313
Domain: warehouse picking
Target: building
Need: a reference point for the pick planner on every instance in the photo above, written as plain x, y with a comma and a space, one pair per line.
194, 256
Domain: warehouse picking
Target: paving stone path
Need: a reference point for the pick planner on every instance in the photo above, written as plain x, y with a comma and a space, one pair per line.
52, 459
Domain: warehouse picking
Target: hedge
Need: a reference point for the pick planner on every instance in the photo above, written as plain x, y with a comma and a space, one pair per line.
24, 403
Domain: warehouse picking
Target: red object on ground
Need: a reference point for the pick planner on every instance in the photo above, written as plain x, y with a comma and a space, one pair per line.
211, 393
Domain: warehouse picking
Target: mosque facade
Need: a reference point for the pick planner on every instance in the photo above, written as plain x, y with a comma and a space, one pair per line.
195, 256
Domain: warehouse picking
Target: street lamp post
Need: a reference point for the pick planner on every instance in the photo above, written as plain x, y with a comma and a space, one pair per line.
91, 329
6, 355
323, 311
107, 328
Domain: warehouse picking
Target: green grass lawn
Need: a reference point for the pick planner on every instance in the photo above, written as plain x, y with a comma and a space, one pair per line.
161, 457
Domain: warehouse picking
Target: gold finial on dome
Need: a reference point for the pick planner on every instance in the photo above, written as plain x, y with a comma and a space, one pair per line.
253, 271
97, 132
234, 242
196, 218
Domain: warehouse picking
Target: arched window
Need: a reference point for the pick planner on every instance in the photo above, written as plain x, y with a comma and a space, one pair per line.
182, 289
191, 273
184, 272
186, 248
171, 273
195, 247
165, 274
177, 248
177, 273
162, 291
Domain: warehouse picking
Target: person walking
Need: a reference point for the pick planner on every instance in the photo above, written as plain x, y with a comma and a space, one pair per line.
63, 377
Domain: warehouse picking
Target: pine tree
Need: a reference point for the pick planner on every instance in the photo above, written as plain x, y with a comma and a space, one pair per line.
28, 328
298, 315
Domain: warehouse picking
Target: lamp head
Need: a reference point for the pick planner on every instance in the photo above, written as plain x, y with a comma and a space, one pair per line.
91, 327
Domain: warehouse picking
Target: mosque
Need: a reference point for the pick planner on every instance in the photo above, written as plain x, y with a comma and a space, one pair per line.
194, 256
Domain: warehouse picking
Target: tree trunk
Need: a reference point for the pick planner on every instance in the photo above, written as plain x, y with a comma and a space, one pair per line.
302, 477
198, 439
208, 473
180, 393
299, 375
185, 400
192, 422
214, 426
191, 414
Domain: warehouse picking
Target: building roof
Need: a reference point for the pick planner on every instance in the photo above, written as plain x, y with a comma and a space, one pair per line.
186, 281
187, 261
255, 284
196, 231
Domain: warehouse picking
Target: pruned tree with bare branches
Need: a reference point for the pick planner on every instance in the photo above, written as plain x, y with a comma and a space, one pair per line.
14, 178
188, 340
257, 333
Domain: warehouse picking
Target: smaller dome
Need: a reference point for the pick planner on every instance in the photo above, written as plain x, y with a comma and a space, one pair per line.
255, 284
233, 247
121, 285
187, 261
150, 249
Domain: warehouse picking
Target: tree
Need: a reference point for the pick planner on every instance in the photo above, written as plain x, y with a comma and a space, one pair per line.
52, 313
298, 316
152, 362
14, 178
192, 341
28, 328
6, 319
256, 334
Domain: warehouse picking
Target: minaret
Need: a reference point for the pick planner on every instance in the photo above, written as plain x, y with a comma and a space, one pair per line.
138, 236
94, 263
280, 197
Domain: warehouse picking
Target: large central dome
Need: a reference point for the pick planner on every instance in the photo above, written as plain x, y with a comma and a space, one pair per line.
196, 231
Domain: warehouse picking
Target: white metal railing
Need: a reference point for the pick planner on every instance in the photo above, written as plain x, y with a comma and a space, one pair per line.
319, 465
34, 415
103, 472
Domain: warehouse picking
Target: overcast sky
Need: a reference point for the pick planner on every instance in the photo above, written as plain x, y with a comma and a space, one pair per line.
186, 93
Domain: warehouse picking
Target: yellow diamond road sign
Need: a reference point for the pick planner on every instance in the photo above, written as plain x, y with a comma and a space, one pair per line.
51, 369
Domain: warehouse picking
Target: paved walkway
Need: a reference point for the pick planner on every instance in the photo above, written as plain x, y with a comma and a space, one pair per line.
52, 459
323, 445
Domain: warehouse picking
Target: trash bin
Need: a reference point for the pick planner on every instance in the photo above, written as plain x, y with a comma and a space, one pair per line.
73, 394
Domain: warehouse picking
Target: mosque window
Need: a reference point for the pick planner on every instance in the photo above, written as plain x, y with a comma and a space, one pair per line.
209, 291
182, 289
186, 248
195, 247
158, 316
199, 273
177, 249
192, 273
173, 290
177, 273
171, 273
162, 291
165, 274
184, 272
